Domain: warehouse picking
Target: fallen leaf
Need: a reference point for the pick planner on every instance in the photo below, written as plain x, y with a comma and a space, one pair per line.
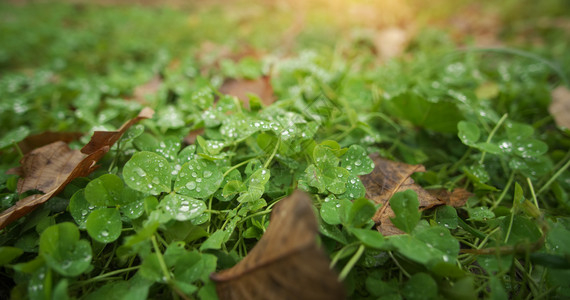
391, 42
108, 138
51, 167
38, 140
456, 198
240, 88
560, 106
387, 178
286, 263
190, 138
151, 87
467, 22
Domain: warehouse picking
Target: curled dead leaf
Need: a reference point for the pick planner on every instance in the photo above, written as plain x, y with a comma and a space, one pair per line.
38, 140
108, 138
560, 106
387, 178
286, 263
51, 167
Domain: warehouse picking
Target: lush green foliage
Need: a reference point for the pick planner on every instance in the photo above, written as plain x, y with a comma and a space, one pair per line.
159, 216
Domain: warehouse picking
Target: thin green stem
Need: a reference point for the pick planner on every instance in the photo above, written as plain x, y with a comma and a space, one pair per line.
532, 192
470, 229
503, 118
460, 161
238, 165
20, 153
106, 275
353, 260
266, 165
161, 261
336, 258
259, 213
398, 264
510, 223
553, 178
505, 190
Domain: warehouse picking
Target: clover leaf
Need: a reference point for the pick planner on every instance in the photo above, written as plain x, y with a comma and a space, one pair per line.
198, 178
14, 136
405, 205
180, 207
80, 208
468, 132
105, 190
356, 161
148, 172
104, 224
255, 185
63, 251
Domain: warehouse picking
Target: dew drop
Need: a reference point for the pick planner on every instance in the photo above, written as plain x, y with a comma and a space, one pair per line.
140, 172
191, 185
207, 174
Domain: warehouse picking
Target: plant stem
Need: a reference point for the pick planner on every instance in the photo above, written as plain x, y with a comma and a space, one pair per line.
160, 259
505, 190
398, 264
108, 274
336, 258
272, 154
470, 229
503, 118
532, 192
551, 180
353, 260
20, 153
237, 166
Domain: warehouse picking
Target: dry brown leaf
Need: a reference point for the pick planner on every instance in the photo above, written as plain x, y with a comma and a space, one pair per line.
190, 138
286, 263
456, 198
240, 88
151, 87
38, 140
51, 167
387, 178
468, 22
560, 106
391, 42
108, 138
